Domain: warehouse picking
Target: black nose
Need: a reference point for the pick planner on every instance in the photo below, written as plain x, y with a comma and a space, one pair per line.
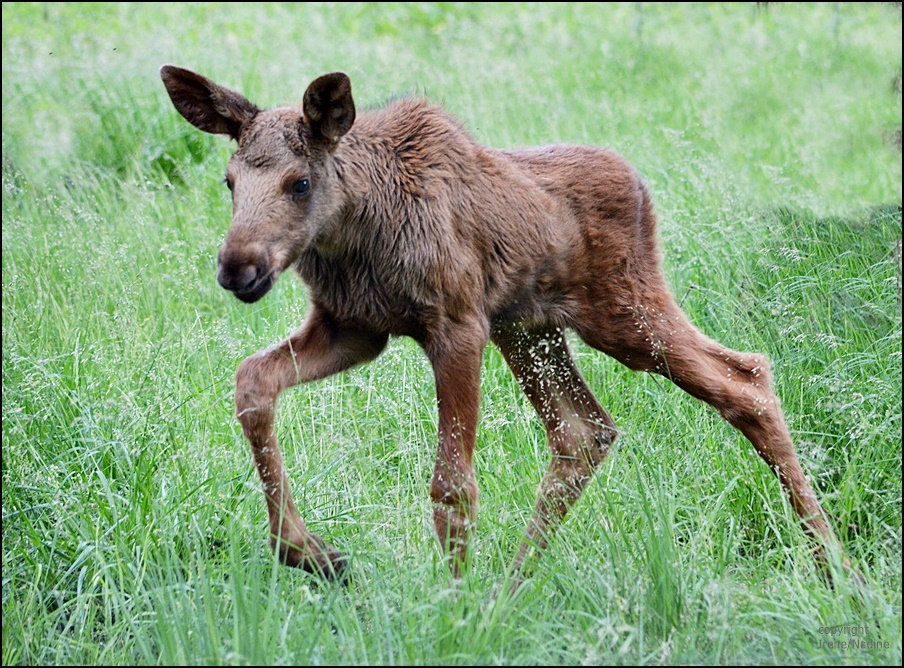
240, 269
238, 279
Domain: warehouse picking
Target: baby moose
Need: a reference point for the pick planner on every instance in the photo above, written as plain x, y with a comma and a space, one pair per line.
401, 224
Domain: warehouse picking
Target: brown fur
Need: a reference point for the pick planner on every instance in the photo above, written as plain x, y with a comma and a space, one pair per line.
401, 224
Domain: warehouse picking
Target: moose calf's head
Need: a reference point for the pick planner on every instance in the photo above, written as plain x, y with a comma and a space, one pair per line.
285, 189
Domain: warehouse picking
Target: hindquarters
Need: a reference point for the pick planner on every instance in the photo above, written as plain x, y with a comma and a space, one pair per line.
627, 311
612, 262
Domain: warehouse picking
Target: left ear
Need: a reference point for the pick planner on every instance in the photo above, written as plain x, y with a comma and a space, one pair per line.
328, 106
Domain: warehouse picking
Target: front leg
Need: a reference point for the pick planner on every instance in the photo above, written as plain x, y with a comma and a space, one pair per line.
456, 357
320, 348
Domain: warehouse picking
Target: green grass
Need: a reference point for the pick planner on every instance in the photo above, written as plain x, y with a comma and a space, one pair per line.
134, 531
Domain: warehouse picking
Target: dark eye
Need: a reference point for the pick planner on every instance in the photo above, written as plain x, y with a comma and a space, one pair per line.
228, 183
301, 187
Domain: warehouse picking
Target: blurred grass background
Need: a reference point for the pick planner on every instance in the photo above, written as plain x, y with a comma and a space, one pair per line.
133, 527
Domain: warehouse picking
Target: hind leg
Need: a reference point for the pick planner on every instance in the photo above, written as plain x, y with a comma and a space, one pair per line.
661, 340
579, 431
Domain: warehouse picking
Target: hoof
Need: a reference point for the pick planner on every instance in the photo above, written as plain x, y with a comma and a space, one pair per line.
315, 557
846, 571
329, 564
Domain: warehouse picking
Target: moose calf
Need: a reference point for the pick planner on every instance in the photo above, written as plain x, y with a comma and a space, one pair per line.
401, 224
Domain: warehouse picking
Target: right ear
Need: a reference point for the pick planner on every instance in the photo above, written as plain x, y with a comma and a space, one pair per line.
206, 105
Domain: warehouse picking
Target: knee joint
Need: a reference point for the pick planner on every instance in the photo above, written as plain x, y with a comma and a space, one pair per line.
598, 443
254, 394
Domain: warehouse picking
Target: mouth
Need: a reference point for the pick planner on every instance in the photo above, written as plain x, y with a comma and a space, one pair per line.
258, 290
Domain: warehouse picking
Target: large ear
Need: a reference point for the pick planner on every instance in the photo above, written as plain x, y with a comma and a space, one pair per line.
328, 106
206, 105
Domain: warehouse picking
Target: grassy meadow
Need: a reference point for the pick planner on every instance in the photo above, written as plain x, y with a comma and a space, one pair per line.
134, 530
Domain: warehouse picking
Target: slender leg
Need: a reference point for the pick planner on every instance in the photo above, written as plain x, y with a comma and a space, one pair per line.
739, 385
456, 357
746, 400
321, 347
579, 431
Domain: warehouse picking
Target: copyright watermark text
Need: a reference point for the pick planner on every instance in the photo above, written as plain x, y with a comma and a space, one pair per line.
848, 637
